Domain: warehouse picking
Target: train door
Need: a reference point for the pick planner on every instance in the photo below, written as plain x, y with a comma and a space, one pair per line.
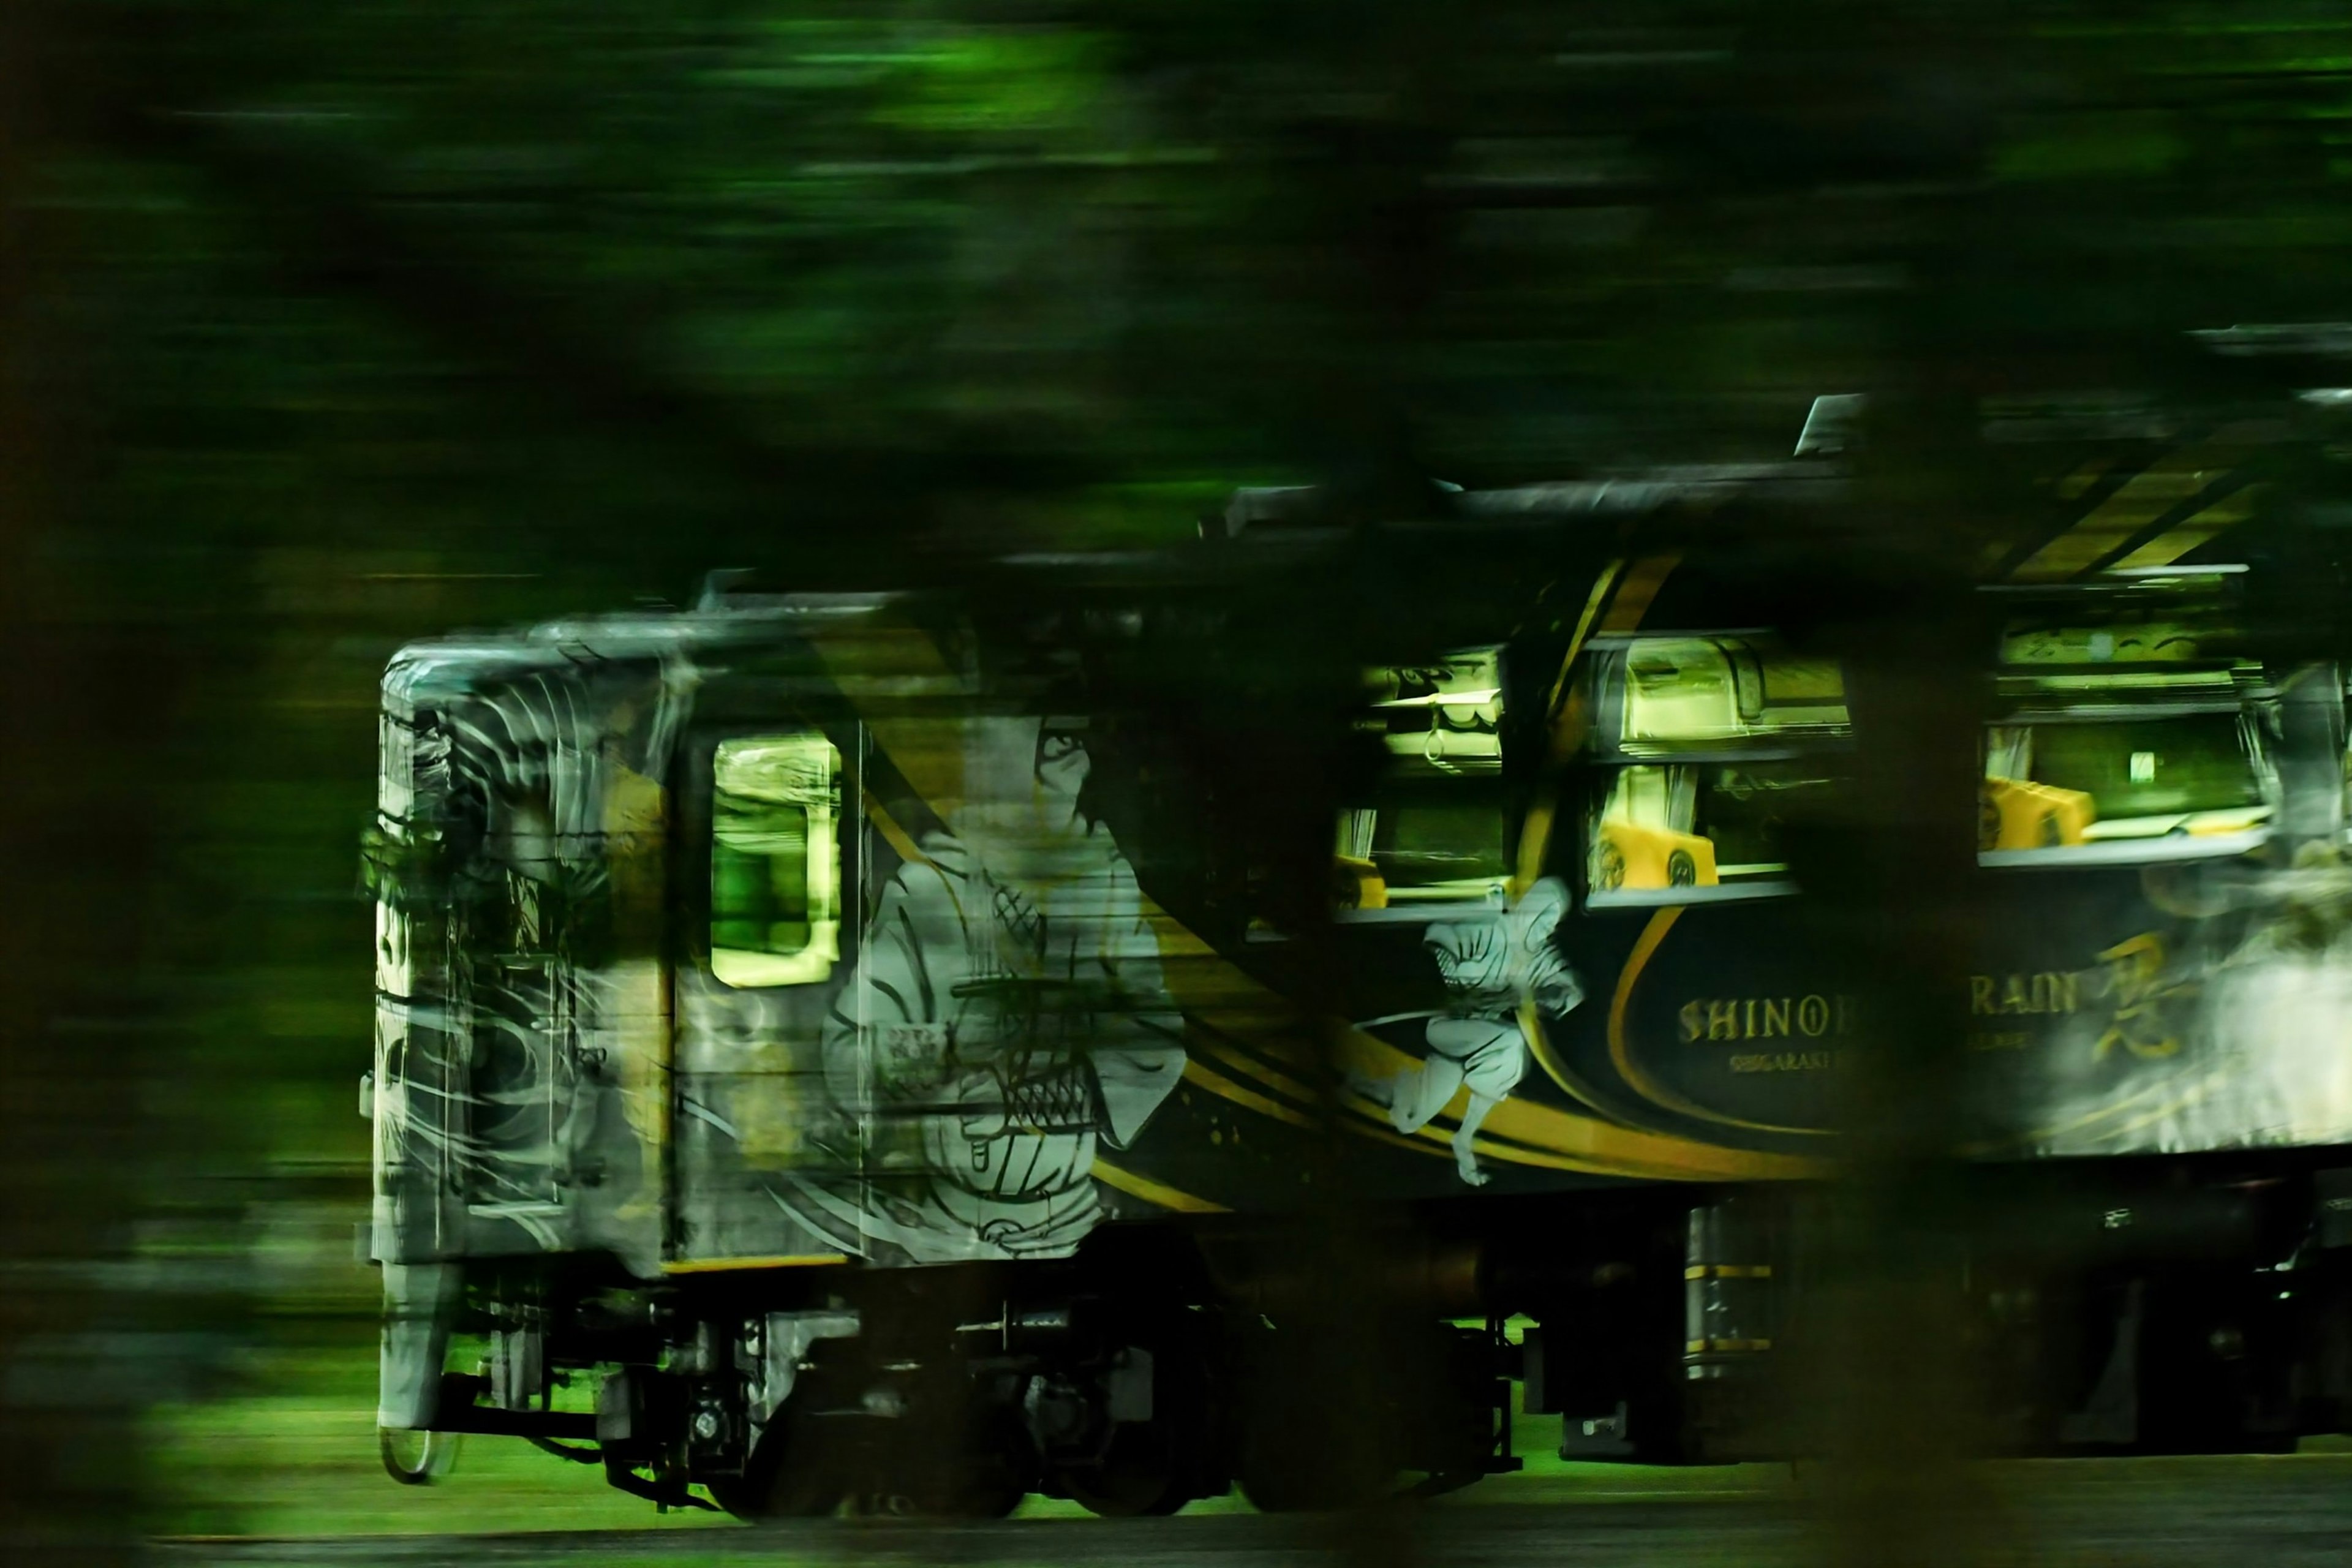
763, 1150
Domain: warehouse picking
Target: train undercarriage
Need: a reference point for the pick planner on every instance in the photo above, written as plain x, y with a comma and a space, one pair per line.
2158, 1306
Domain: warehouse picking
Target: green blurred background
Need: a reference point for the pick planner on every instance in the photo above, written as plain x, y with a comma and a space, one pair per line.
331, 325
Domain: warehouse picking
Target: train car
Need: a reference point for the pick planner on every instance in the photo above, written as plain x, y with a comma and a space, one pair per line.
1122, 1030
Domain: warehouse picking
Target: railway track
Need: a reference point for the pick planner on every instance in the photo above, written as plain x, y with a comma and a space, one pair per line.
2280, 1512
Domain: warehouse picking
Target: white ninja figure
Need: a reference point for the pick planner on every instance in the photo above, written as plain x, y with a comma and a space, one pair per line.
1491, 966
1007, 1015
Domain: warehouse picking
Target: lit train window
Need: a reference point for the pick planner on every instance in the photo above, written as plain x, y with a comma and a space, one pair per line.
1447, 715
775, 867
1686, 692
1434, 830
2178, 782
2127, 741
1709, 746
1707, 826
1419, 844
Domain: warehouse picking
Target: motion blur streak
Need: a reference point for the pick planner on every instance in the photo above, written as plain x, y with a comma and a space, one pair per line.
77, 1033
330, 329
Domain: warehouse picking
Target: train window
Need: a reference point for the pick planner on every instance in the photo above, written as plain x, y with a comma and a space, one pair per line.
776, 865
2171, 783
1447, 715
2026, 645
1434, 829
1421, 842
1710, 743
1682, 693
1708, 825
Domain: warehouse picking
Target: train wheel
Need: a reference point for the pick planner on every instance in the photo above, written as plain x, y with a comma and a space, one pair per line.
790, 1475
965, 1486
978, 1488
937, 1460
1142, 1475
1155, 1466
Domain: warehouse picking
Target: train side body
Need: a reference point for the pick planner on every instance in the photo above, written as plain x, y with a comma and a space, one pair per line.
737, 963
783, 940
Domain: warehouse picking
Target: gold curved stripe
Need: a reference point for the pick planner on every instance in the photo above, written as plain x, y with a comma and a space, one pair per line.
722, 1265
2175, 542
1435, 1131
1595, 1145
2181, 475
1438, 1142
1535, 839
1280, 1082
1564, 711
1153, 1192
2131, 1102
1434, 1138
1537, 1136
1419, 1141
896, 663
1640, 585
1592, 602
1637, 1078
1525, 1133
1428, 1139
1568, 716
1198, 1073
2025, 1140
2197, 1092
895, 837
1554, 1065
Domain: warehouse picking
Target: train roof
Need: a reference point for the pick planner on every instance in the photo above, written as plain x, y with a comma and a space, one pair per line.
2103, 501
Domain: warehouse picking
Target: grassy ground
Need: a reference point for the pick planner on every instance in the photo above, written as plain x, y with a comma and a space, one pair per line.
295, 1454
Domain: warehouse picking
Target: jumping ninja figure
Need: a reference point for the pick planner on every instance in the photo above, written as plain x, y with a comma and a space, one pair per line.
1490, 968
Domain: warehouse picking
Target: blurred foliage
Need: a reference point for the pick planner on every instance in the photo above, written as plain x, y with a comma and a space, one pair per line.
364, 320
949, 263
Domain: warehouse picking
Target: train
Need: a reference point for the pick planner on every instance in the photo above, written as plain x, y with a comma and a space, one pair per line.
1275, 1013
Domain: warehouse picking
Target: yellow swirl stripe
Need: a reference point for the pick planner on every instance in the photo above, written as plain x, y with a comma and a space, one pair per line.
724, 1265
1621, 1053
1200, 1076
1153, 1192
1522, 1133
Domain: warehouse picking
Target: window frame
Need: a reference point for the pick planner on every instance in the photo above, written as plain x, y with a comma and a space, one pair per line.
697, 774
1405, 772
2248, 703
1607, 756
1609, 677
